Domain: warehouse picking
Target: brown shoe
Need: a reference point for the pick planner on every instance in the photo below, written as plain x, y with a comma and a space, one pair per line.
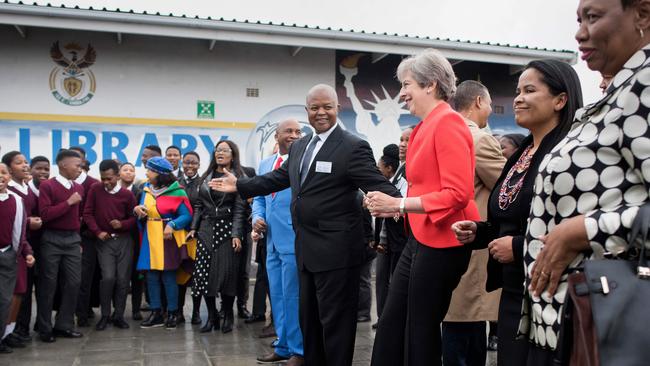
296, 360
271, 358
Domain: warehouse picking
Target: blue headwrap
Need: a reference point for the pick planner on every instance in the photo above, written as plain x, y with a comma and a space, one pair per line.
159, 165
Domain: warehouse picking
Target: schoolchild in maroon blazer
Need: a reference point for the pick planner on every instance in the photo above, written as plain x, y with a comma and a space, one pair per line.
108, 213
89, 268
60, 208
18, 169
13, 221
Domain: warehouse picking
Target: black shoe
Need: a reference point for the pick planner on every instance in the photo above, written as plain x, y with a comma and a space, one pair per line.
24, 337
243, 313
196, 318
209, 325
228, 320
120, 323
13, 342
255, 319
4, 348
102, 323
180, 319
493, 341
82, 322
363, 319
66, 333
172, 321
154, 320
137, 315
47, 337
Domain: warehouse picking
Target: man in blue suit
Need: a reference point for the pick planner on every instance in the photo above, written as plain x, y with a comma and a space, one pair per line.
272, 216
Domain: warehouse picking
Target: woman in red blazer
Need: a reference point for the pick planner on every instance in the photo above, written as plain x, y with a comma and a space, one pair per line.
440, 171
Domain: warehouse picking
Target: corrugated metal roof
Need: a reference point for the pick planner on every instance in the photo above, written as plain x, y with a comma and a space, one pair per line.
285, 25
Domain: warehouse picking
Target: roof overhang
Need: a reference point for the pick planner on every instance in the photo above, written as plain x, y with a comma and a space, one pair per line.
22, 15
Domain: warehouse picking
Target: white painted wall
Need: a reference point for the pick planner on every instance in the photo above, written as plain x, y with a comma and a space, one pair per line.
154, 77
533, 23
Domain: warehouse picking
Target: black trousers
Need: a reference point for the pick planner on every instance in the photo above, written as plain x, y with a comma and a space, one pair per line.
60, 252
365, 289
261, 290
25, 312
511, 351
137, 278
114, 257
386, 263
88, 266
7, 285
464, 343
243, 275
328, 315
408, 332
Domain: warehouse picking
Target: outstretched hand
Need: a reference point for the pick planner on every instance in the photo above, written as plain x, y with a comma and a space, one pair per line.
226, 184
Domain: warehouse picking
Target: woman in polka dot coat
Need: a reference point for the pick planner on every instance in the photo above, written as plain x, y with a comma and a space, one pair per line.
589, 187
219, 223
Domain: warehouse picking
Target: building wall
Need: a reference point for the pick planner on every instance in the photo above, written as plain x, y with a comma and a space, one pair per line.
145, 86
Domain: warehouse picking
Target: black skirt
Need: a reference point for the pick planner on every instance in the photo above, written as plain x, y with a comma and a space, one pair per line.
216, 266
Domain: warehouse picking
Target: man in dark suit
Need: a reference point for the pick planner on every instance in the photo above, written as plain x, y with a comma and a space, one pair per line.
325, 170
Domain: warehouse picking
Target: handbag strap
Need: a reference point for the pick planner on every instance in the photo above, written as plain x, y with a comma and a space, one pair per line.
640, 228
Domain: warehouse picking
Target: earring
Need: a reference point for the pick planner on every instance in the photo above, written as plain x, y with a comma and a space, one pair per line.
428, 91
641, 32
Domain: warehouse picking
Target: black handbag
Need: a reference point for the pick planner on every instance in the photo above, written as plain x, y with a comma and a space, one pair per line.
619, 295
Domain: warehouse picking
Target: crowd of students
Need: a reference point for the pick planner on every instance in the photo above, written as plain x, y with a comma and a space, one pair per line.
78, 242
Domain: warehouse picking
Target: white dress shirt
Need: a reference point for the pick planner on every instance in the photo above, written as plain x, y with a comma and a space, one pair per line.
323, 137
65, 181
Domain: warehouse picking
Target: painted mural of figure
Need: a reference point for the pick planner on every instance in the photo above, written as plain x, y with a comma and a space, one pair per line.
388, 110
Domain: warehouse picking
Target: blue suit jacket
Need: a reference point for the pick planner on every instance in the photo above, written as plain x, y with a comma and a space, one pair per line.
276, 211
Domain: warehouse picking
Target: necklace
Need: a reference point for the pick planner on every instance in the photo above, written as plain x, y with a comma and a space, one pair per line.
509, 192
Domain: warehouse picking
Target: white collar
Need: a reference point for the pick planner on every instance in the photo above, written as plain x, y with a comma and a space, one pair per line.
33, 187
323, 136
64, 181
176, 172
283, 157
115, 189
82, 178
4, 196
20, 187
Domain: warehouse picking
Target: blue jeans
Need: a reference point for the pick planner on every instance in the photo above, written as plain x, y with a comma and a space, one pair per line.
171, 289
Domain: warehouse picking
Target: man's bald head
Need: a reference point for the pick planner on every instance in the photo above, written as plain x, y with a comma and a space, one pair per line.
322, 90
322, 107
288, 131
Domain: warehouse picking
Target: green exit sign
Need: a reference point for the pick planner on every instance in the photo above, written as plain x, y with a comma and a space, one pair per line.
205, 109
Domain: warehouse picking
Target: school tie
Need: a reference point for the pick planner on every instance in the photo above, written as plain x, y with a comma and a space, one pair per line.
277, 164
304, 168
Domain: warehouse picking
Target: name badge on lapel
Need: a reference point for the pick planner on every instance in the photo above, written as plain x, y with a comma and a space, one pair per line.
324, 167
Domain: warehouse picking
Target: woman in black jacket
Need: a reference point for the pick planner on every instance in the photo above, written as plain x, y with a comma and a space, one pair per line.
548, 95
219, 220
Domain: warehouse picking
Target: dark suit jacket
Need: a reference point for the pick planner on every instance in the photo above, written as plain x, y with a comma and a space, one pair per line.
326, 218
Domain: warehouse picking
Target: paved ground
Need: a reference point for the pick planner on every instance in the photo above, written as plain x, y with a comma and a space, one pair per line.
160, 347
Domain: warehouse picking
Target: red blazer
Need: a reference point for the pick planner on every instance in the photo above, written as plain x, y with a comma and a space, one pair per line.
440, 170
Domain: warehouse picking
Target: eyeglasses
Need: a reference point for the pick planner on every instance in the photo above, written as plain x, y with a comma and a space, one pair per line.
223, 150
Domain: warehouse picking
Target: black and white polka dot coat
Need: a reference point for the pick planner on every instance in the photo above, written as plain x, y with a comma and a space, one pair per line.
600, 170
